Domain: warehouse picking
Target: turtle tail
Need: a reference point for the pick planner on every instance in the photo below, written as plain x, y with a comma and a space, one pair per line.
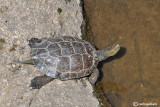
29, 61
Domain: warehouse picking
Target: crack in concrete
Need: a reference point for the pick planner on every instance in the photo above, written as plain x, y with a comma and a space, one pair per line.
30, 102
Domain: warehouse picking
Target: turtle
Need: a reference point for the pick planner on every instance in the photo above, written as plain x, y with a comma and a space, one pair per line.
65, 58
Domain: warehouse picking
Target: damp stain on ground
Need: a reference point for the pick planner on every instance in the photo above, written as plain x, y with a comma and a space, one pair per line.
2, 42
133, 74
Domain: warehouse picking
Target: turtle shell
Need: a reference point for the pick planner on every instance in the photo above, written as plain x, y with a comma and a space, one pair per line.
63, 57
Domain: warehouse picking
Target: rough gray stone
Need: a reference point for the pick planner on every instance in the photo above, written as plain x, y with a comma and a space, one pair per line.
21, 20
65, 94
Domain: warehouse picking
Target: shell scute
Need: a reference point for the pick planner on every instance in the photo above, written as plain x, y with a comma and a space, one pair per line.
64, 76
78, 47
63, 64
54, 50
37, 62
54, 39
80, 74
69, 38
43, 56
88, 61
33, 52
67, 51
89, 49
65, 44
41, 51
43, 44
53, 47
55, 53
52, 72
73, 75
76, 63
50, 61
79, 40
43, 68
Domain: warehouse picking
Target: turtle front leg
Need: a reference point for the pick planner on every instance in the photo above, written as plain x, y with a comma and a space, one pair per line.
94, 76
38, 82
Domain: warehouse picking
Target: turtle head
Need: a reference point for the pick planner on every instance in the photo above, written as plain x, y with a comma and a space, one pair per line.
110, 50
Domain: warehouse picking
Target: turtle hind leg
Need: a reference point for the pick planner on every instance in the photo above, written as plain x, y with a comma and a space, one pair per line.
94, 76
38, 82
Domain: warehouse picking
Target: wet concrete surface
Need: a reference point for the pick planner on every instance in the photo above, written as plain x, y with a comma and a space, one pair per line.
133, 75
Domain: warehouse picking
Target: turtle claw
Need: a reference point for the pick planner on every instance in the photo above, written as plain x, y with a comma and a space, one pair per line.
34, 87
35, 84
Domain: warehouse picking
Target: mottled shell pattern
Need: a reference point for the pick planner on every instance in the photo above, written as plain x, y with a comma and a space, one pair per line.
64, 57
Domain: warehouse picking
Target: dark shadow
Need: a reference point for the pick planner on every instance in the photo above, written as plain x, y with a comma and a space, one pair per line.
119, 55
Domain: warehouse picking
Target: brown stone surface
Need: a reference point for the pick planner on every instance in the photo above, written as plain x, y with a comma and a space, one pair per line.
62, 94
